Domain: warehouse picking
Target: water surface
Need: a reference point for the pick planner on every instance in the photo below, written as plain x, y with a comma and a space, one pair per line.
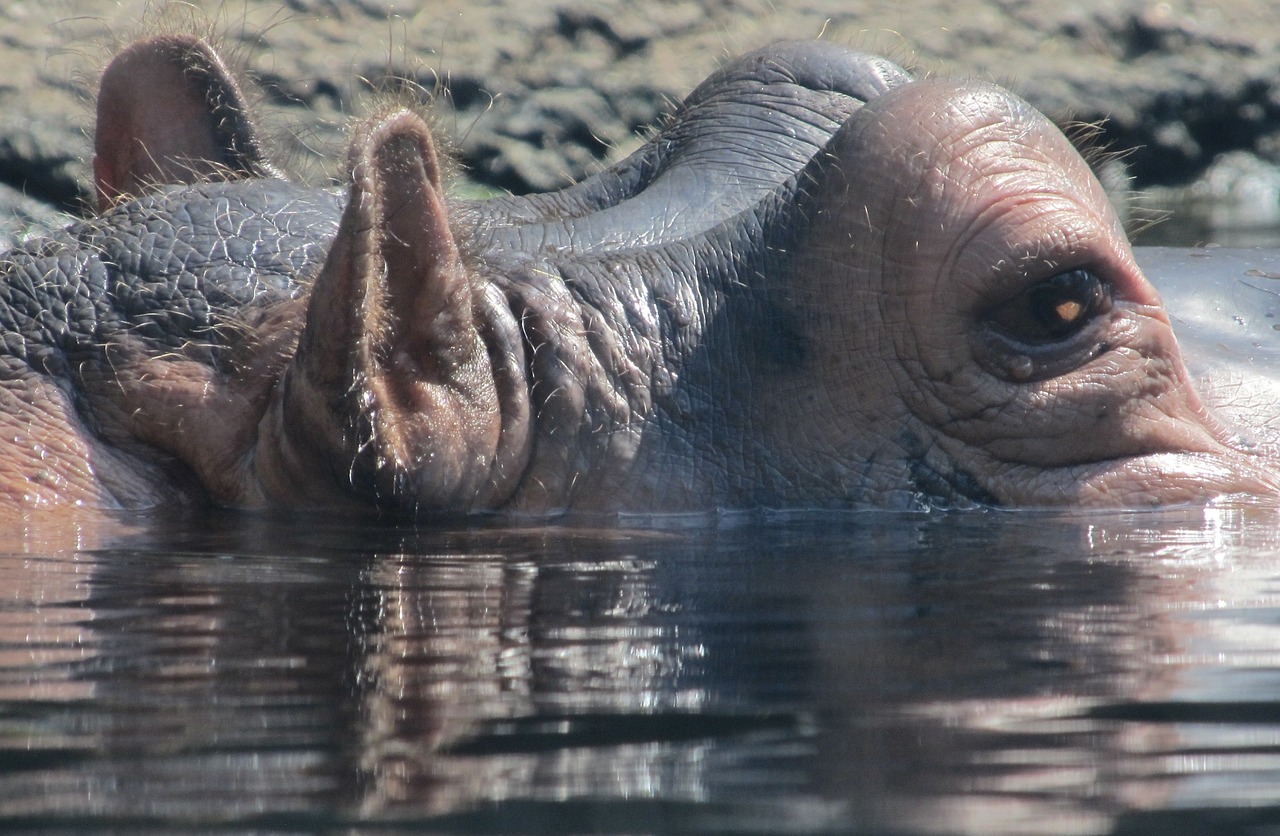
977, 672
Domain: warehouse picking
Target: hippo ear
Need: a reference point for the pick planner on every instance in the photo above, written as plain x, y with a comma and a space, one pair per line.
169, 111
392, 390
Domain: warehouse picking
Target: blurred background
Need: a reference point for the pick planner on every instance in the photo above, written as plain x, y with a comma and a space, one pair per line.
536, 93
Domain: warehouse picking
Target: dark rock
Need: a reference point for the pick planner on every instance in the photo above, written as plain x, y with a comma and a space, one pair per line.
23, 217
45, 163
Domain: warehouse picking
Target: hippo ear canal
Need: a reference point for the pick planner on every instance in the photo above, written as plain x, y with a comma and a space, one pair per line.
1053, 310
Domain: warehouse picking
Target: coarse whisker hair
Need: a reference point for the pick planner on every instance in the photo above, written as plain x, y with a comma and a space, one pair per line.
1109, 165
406, 91
398, 92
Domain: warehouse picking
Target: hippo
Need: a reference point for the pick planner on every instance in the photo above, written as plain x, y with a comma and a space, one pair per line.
824, 284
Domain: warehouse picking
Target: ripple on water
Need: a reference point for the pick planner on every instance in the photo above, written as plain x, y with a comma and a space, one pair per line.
976, 672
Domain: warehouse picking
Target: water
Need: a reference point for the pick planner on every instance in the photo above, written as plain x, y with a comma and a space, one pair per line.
978, 672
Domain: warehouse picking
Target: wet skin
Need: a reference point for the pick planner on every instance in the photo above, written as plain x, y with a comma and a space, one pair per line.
824, 284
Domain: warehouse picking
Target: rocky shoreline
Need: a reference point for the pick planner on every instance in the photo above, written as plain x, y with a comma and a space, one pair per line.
536, 94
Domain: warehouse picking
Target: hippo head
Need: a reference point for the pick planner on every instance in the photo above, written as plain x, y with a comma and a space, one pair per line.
823, 285
982, 327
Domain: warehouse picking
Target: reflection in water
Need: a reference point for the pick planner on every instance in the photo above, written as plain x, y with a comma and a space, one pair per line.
494, 678
978, 672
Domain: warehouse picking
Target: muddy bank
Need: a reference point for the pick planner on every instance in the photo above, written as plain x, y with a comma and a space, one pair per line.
535, 94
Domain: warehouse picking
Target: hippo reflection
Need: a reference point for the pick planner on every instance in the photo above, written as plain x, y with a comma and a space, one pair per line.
824, 284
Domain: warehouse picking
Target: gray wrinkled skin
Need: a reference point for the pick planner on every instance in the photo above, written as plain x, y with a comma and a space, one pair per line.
674, 338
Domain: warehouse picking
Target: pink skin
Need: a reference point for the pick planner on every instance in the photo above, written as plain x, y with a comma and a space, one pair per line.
168, 133
57, 479
970, 197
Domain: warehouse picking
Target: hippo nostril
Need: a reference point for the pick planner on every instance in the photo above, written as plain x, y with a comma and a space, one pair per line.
1054, 309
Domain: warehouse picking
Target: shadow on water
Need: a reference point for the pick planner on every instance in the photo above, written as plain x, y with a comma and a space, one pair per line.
929, 673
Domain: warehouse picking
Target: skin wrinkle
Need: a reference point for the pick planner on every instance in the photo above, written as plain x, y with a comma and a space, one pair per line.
986, 425
1154, 385
663, 306
994, 437
1000, 209
213, 331
962, 152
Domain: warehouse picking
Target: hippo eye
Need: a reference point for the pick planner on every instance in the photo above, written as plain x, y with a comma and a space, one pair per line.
1054, 309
